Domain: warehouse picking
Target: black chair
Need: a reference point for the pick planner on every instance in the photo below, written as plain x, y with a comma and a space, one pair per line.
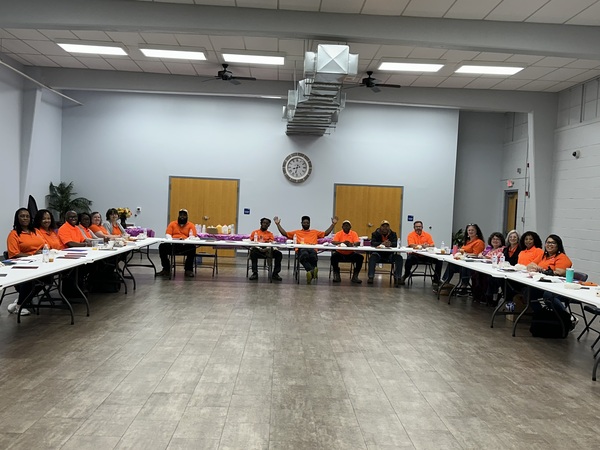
391, 263
349, 270
10, 291
427, 271
577, 276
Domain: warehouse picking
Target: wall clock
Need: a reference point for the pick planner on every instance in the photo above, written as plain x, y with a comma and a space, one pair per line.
297, 167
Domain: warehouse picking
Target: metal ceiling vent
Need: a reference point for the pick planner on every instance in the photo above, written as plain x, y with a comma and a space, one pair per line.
314, 107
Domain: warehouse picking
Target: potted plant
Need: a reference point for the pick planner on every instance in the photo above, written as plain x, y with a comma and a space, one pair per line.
458, 238
60, 200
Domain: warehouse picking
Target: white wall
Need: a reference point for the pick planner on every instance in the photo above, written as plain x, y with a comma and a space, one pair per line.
121, 148
576, 195
478, 197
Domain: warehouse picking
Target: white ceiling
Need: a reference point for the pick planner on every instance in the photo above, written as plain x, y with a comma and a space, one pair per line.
555, 56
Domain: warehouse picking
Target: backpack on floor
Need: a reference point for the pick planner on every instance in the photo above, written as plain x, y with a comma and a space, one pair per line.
546, 324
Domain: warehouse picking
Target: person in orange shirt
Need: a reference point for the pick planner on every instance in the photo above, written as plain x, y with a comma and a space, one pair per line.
349, 238
531, 248
178, 229
45, 226
23, 241
264, 235
419, 239
99, 229
474, 245
307, 256
69, 233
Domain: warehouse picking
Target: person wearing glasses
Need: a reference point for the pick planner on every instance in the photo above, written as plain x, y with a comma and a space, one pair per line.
474, 245
419, 239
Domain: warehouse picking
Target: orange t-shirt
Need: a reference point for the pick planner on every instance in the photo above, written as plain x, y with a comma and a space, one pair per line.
86, 231
51, 238
560, 261
476, 246
181, 232
310, 237
340, 236
528, 256
414, 239
263, 236
68, 233
100, 229
28, 243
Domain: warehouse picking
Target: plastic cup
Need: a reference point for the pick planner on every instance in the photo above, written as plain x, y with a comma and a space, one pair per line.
569, 276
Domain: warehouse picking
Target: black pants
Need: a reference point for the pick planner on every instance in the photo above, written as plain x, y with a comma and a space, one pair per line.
354, 257
165, 249
256, 253
308, 258
387, 257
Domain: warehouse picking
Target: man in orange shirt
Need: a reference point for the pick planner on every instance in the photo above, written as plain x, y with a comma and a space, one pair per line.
264, 235
307, 256
178, 229
69, 233
348, 238
419, 239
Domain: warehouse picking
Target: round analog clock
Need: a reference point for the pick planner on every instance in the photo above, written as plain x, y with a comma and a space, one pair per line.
297, 167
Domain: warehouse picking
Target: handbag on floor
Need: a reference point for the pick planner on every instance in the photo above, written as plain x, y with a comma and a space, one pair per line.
545, 323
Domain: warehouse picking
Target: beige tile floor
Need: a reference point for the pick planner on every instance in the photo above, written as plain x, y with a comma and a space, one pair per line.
226, 363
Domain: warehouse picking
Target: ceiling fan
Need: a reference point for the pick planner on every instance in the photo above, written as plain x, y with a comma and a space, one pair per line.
227, 75
373, 83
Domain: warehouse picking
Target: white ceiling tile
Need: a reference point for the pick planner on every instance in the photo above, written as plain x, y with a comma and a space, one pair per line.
207, 70
585, 76
532, 73
17, 46
261, 43
345, 6
33, 35
90, 35
433, 8
590, 16
68, 61
385, 7
554, 61
47, 48
471, 9
215, 2
510, 84
5, 34
428, 81
562, 74
40, 60
194, 40
427, 53
456, 82
492, 57
124, 64
127, 38
21, 59
95, 63
525, 59
537, 85
484, 83
559, 11
188, 2
364, 51
159, 38
264, 73
227, 42
264, 4
584, 64
515, 10
393, 51
300, 5
560, 86
58, 34
459, 55
292, 47
177, 68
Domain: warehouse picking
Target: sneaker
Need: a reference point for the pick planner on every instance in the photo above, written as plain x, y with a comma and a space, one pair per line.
24, 312
510, 307
315, 273
189, 273
574, 322
356, 280
309, 277
276, 277
12, 308
254, 276
163, 273
336, 277
370, 280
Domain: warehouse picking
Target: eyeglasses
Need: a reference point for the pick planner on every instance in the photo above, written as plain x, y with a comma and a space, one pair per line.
551, 243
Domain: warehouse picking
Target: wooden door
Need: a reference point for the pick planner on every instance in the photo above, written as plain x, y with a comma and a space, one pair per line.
511, 200
366, 206
209, 201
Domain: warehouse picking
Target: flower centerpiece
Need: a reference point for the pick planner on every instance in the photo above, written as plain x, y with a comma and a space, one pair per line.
124, 214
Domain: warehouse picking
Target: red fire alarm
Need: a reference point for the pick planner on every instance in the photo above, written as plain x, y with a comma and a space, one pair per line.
510, 183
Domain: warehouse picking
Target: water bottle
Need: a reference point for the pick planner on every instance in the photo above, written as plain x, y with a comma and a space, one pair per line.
494, 260
501, 260
46, 253
398, 243
362, 242
295, 239
255, 237
191, 234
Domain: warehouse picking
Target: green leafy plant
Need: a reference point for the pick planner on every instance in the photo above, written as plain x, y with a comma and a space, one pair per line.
60, 200
458, 237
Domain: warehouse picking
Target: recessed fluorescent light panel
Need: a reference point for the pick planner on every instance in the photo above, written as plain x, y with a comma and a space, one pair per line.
93, 49
254, 59
410, 67
489, 70
174, 54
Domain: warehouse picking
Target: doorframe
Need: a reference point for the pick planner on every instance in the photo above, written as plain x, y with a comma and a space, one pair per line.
507, 192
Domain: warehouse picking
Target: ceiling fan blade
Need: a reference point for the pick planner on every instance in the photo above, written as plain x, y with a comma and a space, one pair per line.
234, 81
397, 86
375, 89
245, 78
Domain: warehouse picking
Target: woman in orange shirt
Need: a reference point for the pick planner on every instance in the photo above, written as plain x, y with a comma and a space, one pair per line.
23, 241
474, 244
531, 247
45, 226
100, 230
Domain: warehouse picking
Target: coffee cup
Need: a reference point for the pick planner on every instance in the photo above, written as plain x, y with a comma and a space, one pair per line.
569, 275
